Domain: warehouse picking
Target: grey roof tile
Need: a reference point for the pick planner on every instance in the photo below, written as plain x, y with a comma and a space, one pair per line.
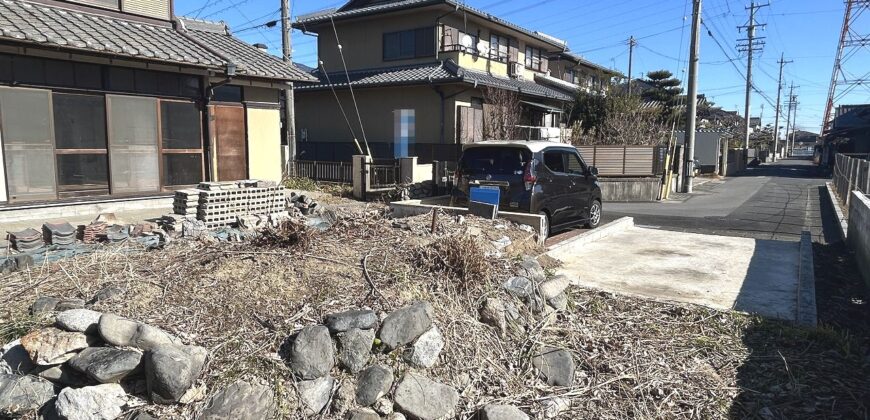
26, 22
251, 60
445, 72
54, 26
326, 16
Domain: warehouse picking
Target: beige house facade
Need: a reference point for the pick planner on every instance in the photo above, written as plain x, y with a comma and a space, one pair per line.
411, 77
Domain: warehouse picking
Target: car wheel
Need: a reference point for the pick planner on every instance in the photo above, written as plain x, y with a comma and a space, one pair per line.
545, 229
594, 215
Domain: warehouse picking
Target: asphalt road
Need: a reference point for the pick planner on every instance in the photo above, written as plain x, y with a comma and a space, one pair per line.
771, 201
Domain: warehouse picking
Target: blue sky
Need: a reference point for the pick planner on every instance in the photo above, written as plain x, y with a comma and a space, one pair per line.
806, 31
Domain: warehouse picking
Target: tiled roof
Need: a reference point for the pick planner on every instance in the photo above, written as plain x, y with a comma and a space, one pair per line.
525, 87
405, 75
341, 13
251, 61
57, 27
446, 72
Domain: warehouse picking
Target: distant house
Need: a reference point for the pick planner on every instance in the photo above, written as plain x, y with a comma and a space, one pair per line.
580, 74
111, 98
419, 70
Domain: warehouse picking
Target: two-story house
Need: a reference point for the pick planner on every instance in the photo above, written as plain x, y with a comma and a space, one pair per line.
410, 77
109, 98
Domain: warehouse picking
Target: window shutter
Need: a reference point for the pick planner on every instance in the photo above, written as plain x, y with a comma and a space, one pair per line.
545, 64
514, 50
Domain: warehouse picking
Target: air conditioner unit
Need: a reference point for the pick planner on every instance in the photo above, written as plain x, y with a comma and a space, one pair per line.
515, 70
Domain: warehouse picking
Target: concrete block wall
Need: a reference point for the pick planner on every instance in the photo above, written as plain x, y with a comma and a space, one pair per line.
858, 237
630, 189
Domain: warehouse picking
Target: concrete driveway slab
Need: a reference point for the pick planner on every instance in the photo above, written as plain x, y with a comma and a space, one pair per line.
750, 275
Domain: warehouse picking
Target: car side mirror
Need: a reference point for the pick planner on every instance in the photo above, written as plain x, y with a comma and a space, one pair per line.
593, 171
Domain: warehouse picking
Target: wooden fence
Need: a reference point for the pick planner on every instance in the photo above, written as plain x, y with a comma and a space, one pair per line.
851, 173
625, 160
340, 172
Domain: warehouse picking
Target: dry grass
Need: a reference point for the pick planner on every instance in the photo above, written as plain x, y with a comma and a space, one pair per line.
636, 358
290, 234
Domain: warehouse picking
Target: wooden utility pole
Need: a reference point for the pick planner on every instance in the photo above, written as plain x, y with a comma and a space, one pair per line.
750, 44
692, 98
289, 102
782, 64
631, 44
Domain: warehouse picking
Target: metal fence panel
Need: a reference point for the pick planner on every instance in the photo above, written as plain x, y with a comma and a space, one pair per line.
625, 160
340, 172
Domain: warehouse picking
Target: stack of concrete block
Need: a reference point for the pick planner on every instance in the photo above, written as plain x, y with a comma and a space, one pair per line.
186, 202
221, 207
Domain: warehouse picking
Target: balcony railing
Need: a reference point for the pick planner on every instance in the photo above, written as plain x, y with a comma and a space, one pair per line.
544, 133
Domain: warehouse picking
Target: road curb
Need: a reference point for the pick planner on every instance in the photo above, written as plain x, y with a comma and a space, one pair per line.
806, 293
609, 229
842, 222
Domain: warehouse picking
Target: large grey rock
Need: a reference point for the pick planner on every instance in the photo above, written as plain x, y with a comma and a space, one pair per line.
520, 287
14, 359
396, 416
100, 402
423, 398
363, 319
426, 349
314, 394
404, 325
555, 366
531, 268
355, 349
502, 412
22, 394
372, 384
240, 400
171, 370
79, 320
363, 414
123, 332
492, 312
63, 375
106, 364
51, 346
311, 354
43, 304
553, 287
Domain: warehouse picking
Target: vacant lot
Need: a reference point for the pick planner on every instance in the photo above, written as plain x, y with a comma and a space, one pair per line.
635, 358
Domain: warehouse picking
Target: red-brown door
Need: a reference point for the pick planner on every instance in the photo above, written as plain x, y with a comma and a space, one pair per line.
230, 149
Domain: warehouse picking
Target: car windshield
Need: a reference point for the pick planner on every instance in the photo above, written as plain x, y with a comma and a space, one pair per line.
495, 160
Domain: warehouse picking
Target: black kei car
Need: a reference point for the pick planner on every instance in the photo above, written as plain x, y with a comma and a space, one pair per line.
536, 177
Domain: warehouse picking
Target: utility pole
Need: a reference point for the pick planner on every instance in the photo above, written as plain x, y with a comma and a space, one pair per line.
790, 103
692, 98
794, 104
289, 102
750, 44
782, 64
631, 44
